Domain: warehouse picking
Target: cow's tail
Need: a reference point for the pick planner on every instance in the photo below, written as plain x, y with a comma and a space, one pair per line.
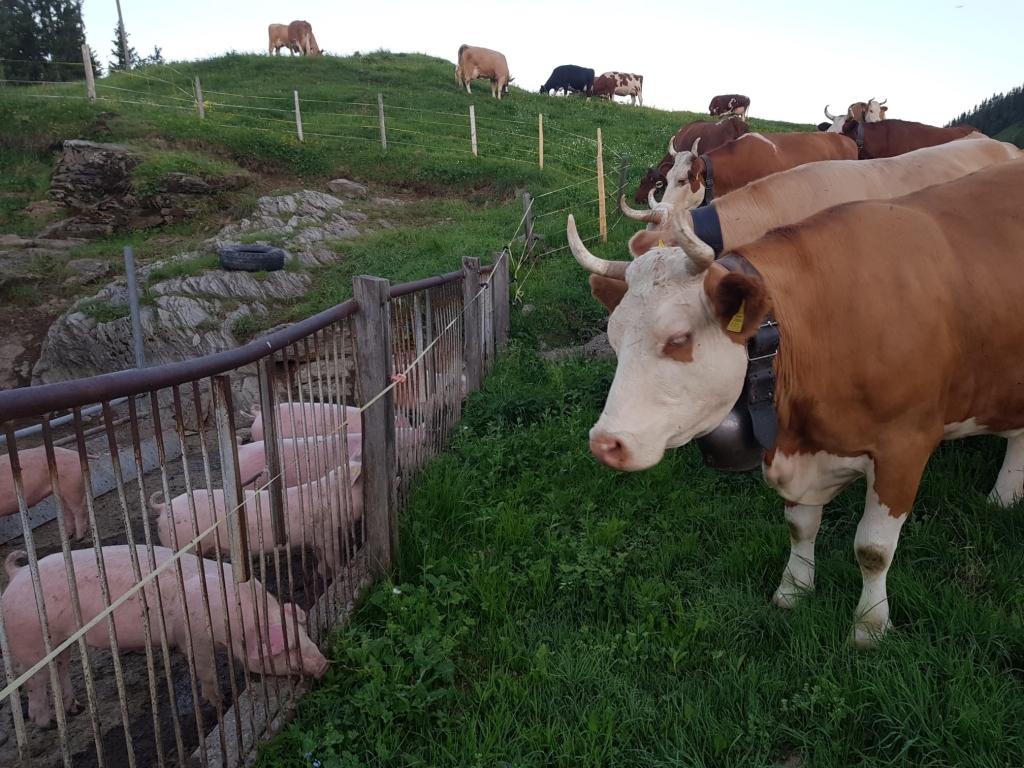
462, 48
13, 564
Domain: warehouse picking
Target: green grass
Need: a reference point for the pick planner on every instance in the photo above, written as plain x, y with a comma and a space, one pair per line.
1014, 134
184, 268
102, 311
553, 612
146, 175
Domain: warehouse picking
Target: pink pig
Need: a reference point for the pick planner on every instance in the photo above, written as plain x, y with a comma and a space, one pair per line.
311, 516
322, 455
264, 648
35, 478
309, 419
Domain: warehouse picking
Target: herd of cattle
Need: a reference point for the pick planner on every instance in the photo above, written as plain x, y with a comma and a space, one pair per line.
825, 306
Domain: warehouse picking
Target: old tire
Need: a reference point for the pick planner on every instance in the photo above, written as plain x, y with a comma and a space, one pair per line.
251, 258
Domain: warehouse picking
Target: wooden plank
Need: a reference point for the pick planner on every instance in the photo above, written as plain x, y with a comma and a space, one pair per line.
199, 99
90, 82
473, 355
373, 359
472, 127
500, 297
540, 138
600, 190
383, 130
298, 117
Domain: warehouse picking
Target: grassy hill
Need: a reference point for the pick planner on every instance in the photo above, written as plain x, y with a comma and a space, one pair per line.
469, 204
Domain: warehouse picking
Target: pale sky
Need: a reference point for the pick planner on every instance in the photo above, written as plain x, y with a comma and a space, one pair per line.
931, 59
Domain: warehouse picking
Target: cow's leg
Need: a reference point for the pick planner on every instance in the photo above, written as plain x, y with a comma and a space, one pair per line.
803, 520
467, 86
1010, 483
892, 486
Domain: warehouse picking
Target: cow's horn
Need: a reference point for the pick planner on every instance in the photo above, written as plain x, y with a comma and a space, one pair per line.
653, 216
651, 199
701, 254
590, 262
883, 102
871, 99
672, 147
828, 114
693, 149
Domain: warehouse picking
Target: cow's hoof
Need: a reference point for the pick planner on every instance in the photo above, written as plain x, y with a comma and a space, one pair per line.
1003, 500
867, 637
785, 600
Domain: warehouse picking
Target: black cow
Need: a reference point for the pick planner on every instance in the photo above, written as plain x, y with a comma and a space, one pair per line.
569, 76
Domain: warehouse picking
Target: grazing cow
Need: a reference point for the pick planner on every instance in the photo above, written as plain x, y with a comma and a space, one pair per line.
712, 134
790, 196
300, 34
898, 326
279, 39
697, 179
612, 84
570, 77
730, 104
485, 64
888, 138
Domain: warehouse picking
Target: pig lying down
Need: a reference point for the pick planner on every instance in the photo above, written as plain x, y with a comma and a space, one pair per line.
260, 642
35, 478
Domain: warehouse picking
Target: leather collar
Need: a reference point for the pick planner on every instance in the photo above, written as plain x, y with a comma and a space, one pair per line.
709, 181
708, 227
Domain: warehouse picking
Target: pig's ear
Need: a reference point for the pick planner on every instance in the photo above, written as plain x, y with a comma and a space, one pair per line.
300, 614
273, 644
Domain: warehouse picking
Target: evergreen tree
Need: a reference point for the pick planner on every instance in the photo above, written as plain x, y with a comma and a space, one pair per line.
118, 62
156, 58
41, 39
997, 113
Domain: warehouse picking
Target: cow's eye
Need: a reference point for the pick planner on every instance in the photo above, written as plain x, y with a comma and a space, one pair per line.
679, 348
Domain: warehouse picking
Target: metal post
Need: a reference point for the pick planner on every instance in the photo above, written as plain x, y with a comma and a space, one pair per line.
383, 130
540, 138
600, 190
528, 221
275, 483
133, 306
373, 362
500, 300
298, 117
124, 37
472, 128
623, 168
471, 323
90, 82
199, 99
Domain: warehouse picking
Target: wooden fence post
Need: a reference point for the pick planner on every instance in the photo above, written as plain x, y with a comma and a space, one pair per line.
373, 358
540, 138
623, 168
472, 127
199, 99
528, 220
500, 301
236, 528
383, 131
473, 355
600, 190
90, 82
298, 117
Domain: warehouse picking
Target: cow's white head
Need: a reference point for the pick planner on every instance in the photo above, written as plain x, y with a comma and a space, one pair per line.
684, 183
875, 111
679, 324
837, 122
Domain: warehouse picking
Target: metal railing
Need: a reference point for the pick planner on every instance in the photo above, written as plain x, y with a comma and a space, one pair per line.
183, 581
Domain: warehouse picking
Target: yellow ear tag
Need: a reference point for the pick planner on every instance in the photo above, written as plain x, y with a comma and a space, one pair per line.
661, 243
736, 324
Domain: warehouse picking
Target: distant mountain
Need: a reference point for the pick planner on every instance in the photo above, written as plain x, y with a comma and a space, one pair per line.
1001, 116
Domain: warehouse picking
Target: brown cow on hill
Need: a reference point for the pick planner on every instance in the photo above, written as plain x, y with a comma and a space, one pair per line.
729, 104
482, 63
279, 39
888, 138
300, 33
612, 84
712, 134
696, 179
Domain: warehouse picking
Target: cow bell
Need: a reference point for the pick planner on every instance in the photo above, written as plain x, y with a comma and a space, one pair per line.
731, 446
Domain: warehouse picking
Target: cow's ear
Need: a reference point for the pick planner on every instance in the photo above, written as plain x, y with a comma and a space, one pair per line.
644, 240
607, 290
740, 301
850, 127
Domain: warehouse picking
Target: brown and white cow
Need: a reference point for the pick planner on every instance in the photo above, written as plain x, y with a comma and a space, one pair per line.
869, 111
300, 34
888, 138
279, 39
900, 327
698, 178
729, 104
712, 134
612, 84
485, 64
791, 196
